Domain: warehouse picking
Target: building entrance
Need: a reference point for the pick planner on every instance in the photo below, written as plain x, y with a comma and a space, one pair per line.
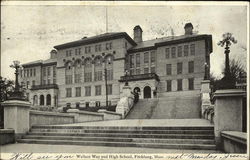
147, 92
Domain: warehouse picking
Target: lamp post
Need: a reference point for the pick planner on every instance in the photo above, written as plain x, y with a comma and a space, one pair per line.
105, 77
17, 94
227, 40
126, 79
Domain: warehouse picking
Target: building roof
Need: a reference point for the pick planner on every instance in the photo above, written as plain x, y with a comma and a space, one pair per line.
40, 62
96, 39
152, 44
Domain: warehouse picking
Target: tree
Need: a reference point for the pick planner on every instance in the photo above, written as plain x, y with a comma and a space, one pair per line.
6, 87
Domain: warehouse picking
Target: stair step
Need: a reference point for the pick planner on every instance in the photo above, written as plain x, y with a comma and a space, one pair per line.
124, 128
128, 131
120, 144
181, 136
115, 139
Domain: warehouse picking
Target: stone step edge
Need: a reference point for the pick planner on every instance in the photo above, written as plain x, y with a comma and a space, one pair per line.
125, 131
117, 138
158, 145
127, 127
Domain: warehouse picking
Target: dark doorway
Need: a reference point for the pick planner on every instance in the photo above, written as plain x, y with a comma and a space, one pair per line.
48, 100
137, 89
41, 100
147, 92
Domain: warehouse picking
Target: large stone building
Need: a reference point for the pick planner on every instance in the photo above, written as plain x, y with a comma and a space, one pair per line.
75, 73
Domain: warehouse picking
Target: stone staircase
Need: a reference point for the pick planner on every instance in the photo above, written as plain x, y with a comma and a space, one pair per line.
180, 137
143, 109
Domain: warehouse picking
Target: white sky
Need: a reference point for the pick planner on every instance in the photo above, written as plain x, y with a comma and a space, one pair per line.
29, 32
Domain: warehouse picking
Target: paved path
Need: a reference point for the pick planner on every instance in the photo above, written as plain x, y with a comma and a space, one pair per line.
146, 122
44, 148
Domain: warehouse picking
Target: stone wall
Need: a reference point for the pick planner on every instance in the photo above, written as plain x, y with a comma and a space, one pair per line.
234, 142
110, 115
45, 118
7, 136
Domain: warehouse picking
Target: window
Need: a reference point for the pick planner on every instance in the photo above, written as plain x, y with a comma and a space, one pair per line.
169, 85
87, 49
167, 53
98, 47
88, 77
77, 51
31, 72
97, 103
179, 84
146, 58
131, 59
88, 91
132, 71
48, 70
78, 91
126, 45
169, 69
28, 83
109, 74
48, 81
21, 73
138, 71
192, 49
146, 70
68, 105
191, 67
137, 60
191, 83
68, 53
77, 78
54, 71
98, 76
77, 105
34, 72
152, 69
28, 72
44, 71
179, 68
87, 104
44, 81
185, 50
109, 46
24, 73
98, 90
68, 92
109, 89
173, 52
54, 81
68, 79
179, 51
152, 58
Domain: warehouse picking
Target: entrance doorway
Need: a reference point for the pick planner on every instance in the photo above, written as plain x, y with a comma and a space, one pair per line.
147, 92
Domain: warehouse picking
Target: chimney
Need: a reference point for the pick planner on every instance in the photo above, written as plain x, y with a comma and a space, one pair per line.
53, 53
188, 29
137, 34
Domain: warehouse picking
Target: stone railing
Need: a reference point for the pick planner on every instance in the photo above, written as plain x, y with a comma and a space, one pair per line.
234, 142
45, 118
209, 113
205, 98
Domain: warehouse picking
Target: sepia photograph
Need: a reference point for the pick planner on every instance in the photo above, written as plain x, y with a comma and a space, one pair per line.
124, 80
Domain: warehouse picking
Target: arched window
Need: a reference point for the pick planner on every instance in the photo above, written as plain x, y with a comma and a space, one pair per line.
48, 100
98, 68
78, 71
109, 66
68, 72
88, 70
35, 100
147, 92
41, 100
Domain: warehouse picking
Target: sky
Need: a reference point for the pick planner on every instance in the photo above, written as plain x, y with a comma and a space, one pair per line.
29, 32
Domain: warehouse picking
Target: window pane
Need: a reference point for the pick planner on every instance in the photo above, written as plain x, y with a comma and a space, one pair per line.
169, 85
173, 52
179, 68
167, 53
191, 83
169, 69
192, 49
179, 84
186, 50
145, 70
153, 57
137, 60
146, 58
180, 51
191, 67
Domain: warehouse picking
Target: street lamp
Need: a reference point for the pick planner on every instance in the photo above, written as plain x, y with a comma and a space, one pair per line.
17, 94
126, 79
105, 75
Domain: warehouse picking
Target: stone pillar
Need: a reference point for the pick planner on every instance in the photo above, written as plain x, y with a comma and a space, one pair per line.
205, 96
228, 112
16, 116
38, 100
